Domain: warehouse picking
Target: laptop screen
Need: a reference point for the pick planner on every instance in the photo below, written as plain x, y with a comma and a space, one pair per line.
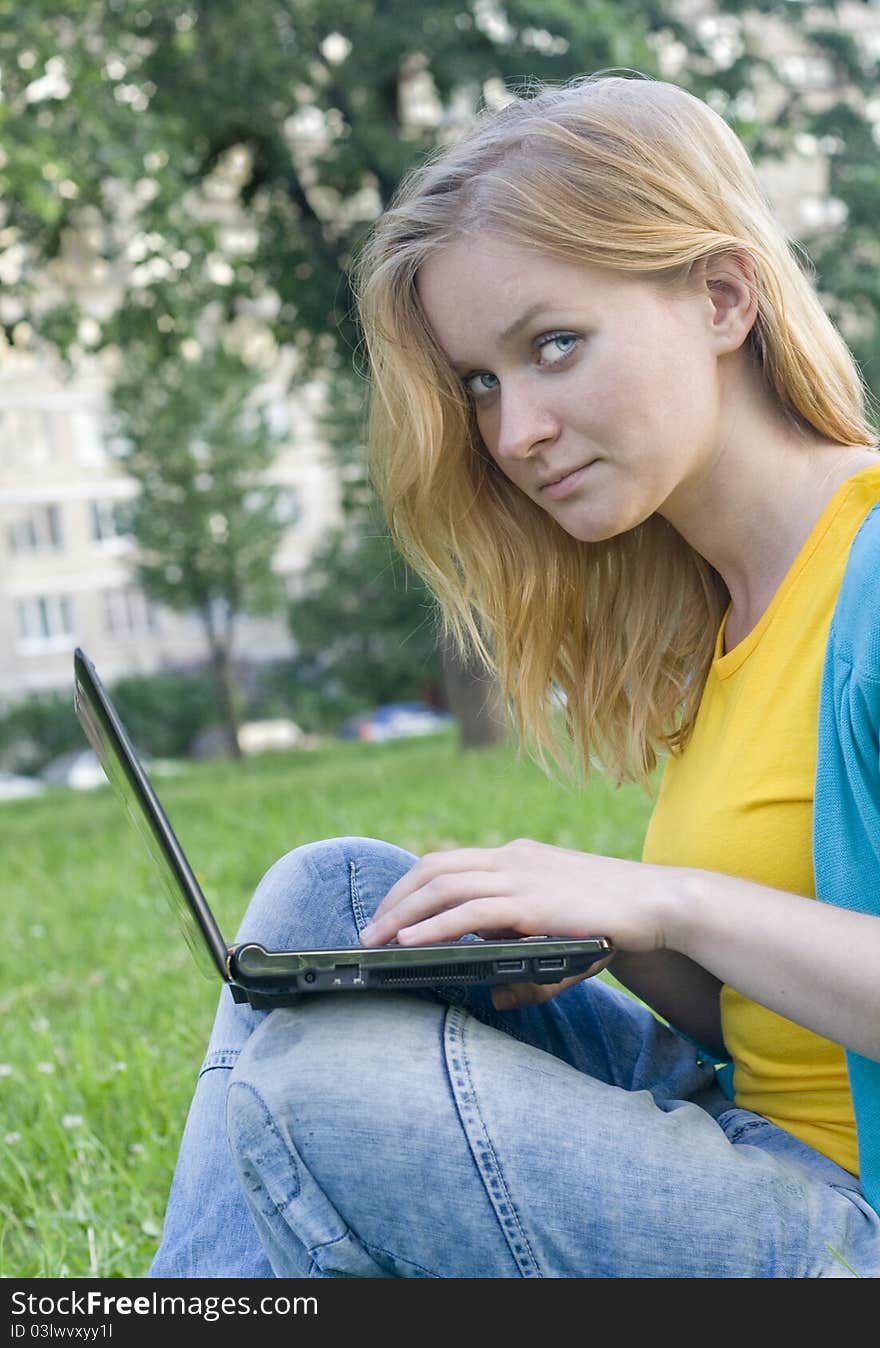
109, 739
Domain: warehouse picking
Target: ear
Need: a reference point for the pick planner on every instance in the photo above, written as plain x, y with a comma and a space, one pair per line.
729, 282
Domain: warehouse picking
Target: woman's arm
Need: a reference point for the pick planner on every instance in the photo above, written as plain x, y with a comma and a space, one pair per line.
679, 990
815, 964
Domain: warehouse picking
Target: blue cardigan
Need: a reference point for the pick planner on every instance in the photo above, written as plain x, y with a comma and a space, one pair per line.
846, 803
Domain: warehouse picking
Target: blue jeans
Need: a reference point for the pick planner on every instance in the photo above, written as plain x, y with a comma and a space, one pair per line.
426, 1135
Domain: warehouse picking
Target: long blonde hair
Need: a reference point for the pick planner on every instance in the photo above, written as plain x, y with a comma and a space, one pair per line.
628, 173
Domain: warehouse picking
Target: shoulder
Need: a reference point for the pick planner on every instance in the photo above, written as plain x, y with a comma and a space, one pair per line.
855, 626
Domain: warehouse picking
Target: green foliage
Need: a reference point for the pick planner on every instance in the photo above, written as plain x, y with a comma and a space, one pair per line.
206, 520
838, 109
120, 122
223, 162
164, 712
286, 689
115, 118
848, 258
365, 625
36, 730
115, 121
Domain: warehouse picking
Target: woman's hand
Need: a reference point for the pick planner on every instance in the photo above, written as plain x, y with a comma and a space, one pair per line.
509, 996
525, 888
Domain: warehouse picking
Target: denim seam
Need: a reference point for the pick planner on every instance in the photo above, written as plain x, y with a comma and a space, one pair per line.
224, 1058
274, 1131
372, 1250
477, 1134
375, 1250
348, 1235
741, 1130
357, 907
454, 995
354, 896
326, 1245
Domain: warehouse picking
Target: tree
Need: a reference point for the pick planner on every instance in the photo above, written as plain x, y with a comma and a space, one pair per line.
206, 519
308, 116
364, 625
227, 158
819, 97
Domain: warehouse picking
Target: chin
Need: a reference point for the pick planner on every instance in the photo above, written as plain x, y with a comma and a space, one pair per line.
596, 530
593, 524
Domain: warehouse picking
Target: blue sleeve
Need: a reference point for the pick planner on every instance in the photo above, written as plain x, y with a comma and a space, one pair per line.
846, 806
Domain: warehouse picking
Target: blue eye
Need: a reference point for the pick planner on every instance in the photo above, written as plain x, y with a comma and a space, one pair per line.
477, 390
565, 343
481, 384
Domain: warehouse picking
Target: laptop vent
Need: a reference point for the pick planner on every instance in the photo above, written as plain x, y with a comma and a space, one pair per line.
431, 972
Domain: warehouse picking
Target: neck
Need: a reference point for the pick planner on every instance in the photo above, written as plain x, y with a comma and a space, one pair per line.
751, 506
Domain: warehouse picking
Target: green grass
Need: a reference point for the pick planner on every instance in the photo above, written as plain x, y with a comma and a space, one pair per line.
100, 1050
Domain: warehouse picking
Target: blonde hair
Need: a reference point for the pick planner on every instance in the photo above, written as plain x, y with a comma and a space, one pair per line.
628, 173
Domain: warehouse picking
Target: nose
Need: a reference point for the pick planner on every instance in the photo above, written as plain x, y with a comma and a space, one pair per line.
522, 423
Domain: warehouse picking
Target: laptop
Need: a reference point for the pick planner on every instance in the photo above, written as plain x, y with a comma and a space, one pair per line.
270, 978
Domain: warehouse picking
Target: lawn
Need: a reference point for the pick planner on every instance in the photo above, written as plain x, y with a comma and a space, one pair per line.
100, 1049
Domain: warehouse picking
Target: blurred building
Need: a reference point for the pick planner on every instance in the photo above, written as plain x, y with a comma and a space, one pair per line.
66, 574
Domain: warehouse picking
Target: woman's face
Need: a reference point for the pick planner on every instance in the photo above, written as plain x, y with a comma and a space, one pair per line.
580, 373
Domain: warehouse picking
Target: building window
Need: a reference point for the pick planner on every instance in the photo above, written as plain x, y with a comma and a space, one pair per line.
37, 531
26, 437
88, 438
107, 521
45, 618
128, 613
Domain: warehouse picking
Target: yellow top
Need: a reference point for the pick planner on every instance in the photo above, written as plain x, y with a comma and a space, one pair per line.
739, 800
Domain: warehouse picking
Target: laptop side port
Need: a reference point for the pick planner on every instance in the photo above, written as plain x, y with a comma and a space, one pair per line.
546, 964
510, 966
345, 976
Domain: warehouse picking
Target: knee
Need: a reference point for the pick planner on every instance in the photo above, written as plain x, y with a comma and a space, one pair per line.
341, 1067
315, 1130
328, 1080
323, 893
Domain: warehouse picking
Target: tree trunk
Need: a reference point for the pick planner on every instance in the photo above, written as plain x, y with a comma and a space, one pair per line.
474, 699
224, 678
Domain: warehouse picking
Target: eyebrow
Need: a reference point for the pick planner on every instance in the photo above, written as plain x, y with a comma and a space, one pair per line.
508, 333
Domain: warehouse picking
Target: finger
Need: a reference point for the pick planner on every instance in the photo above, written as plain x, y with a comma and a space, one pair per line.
427, 868
474, 915
509, 996
501, 934
438, 895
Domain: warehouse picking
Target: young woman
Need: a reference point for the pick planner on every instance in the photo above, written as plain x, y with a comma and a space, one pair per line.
617, 434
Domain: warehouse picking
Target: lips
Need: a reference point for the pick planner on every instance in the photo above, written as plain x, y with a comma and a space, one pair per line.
562, 485
559, 477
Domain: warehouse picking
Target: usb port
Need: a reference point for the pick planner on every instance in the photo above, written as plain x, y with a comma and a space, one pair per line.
510, 966
558, 963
